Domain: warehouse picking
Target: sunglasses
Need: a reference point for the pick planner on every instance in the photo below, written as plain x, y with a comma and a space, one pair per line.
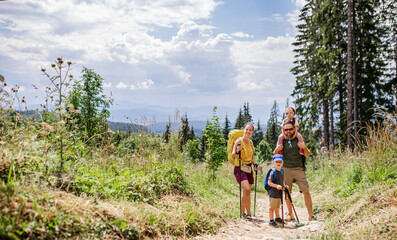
289, 129
289, 113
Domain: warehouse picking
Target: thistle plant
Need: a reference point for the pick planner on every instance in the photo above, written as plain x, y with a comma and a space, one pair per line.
56, 94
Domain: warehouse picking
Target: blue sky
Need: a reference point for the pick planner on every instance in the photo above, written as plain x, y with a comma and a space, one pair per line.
173, 53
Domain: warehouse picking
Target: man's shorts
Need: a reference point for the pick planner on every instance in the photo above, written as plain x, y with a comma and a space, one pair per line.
244, 176
274, 203
298, 174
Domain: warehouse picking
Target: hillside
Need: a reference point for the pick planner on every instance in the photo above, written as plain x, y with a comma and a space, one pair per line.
140, 187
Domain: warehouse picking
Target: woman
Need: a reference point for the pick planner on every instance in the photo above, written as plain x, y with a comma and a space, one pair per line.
244, 144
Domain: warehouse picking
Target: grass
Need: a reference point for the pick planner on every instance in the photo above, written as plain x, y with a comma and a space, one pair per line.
355, 193
143, 188
140, 188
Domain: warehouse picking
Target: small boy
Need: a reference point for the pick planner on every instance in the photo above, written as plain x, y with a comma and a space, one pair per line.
276, 186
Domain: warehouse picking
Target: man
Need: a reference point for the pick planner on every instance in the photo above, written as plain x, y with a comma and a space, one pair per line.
294, 169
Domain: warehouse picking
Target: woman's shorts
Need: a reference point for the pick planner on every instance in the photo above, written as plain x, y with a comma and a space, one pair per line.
244, 176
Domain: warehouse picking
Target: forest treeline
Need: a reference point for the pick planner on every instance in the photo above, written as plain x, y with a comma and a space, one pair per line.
345, 67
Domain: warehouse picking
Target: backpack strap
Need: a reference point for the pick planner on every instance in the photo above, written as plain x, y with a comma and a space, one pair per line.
274, 174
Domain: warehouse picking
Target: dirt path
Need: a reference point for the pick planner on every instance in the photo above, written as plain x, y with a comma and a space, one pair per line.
259, 228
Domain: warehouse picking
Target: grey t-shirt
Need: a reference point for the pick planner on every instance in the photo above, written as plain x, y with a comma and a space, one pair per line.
274, 192
292, 158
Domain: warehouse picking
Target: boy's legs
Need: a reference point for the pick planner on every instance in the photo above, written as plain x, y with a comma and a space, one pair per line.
274, 206
271, 214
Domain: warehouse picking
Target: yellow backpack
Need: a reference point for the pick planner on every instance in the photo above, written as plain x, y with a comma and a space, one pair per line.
233, 135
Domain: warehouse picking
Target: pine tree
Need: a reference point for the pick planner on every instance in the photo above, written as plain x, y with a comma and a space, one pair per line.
239, 121
246, 114
167, 133
328, 82
257, 137
389, 20
191, 134
273, 129
226, 129
184, 132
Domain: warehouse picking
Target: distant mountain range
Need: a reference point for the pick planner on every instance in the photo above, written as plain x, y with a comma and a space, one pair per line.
138, 112
155, 117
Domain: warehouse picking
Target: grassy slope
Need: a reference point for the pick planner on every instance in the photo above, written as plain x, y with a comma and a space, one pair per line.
144, 188
356, 194
141, 188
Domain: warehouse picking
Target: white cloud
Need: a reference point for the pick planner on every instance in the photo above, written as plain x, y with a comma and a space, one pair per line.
120, 40
93, 30
300, 3
242, 35
145, 84
121, 85
142, 85
258, 62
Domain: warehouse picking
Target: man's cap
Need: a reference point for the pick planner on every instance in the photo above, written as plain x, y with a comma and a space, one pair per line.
278, 157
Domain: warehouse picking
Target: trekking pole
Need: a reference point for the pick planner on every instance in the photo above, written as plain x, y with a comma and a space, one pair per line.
290, 200
256, 178
282, 209
239, 157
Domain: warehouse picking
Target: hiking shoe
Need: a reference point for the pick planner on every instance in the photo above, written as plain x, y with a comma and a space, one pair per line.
289, 218
301, 152
273, 223
248, 217
312, 218
278, 220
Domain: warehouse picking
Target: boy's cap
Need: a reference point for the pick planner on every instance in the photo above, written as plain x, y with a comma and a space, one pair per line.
278, 157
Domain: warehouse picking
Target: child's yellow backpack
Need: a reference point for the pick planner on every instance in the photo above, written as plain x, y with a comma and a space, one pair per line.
233, 135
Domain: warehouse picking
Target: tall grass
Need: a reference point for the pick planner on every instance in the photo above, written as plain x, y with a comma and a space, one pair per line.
350, 188
133, 186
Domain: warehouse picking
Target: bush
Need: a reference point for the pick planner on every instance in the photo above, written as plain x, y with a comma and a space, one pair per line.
191, 150
264, 152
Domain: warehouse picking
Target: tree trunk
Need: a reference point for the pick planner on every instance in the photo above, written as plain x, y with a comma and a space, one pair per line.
395, 80
349, 117
326, 122
331, 117
354, 65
